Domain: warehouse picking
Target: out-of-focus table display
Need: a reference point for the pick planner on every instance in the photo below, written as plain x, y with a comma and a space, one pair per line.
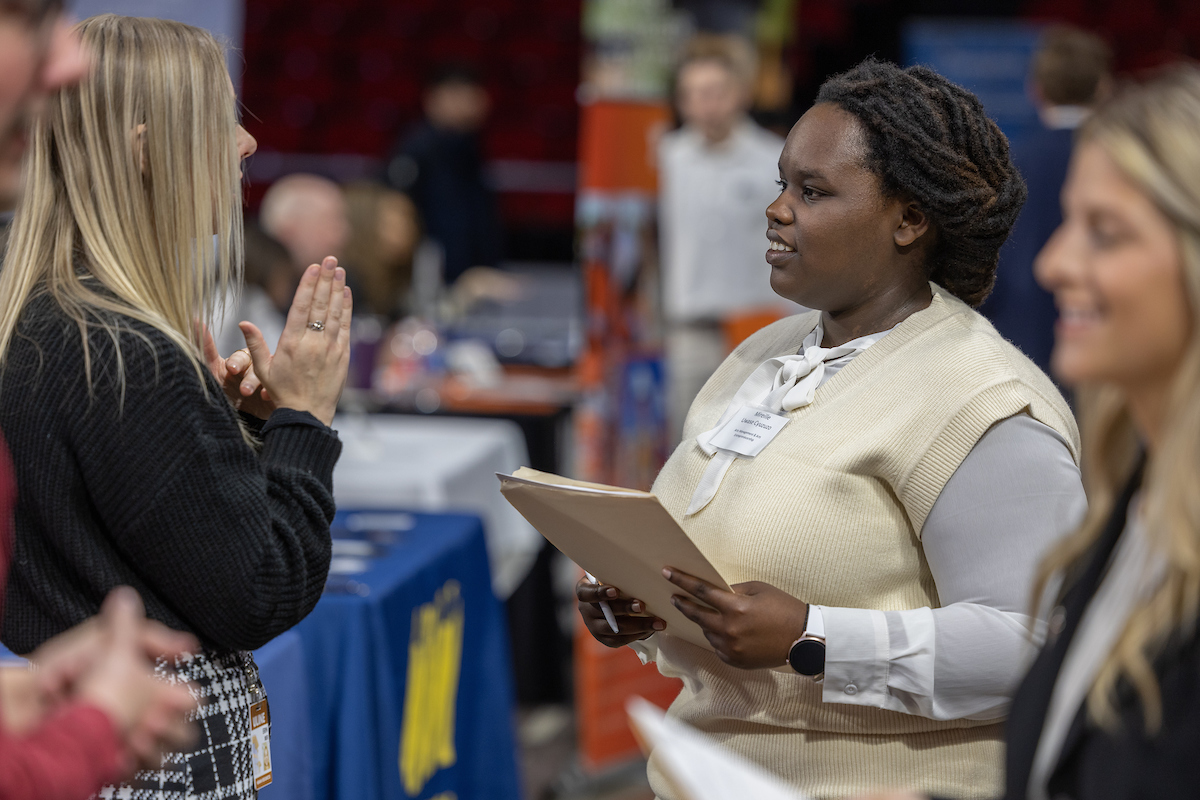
539, 324
408, 664
281, 668
518, 391
504, 359
439, 464
509, 353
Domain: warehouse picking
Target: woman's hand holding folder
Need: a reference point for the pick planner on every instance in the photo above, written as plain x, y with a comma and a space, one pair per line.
633, 621
751, 627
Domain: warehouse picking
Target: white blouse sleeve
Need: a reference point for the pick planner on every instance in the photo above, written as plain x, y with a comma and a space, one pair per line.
1016, 493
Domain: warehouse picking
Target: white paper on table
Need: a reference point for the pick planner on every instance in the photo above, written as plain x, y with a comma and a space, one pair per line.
697, 767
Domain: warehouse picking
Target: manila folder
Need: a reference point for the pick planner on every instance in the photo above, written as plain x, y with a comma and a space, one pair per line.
622, 536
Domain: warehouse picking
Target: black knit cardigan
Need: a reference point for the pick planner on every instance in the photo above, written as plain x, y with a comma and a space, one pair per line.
150, 484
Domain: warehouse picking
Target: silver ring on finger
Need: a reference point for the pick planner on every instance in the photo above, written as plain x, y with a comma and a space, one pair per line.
316, 325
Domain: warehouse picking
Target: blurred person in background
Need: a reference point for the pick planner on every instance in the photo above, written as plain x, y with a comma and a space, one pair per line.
881, 546
439, 163
716, 176
307, 214
133, 466
269, 281
92, 710
1069, 74
1110, 708
722, 16
385, 234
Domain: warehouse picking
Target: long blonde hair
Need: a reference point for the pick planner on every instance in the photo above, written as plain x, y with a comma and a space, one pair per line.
1152, 133
132, 198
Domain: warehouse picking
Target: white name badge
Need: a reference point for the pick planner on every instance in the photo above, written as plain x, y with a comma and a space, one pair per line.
750, 430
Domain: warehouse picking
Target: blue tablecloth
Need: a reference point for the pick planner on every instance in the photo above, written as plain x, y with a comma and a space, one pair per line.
409, 677
281, 667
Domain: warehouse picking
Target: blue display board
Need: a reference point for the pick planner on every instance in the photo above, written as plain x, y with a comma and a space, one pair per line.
990, 57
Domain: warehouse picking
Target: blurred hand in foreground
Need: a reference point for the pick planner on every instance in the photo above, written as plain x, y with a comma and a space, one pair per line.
108, 662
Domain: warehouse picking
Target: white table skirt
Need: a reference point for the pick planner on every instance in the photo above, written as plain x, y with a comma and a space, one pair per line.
392, 461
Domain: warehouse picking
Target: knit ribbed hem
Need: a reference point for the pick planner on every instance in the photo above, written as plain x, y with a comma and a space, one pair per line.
290, 416
299, 445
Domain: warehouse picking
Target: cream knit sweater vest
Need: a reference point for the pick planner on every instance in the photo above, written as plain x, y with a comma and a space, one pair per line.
832, 512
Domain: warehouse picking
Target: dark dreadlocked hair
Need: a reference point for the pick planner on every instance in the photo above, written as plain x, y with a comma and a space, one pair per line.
929, 140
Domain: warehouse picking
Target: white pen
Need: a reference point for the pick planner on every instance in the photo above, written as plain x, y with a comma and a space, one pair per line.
604, 606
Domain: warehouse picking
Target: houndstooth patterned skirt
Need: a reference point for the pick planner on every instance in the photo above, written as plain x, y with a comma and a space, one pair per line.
220, 767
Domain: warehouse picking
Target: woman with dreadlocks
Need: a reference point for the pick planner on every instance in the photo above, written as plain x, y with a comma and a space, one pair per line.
878, 478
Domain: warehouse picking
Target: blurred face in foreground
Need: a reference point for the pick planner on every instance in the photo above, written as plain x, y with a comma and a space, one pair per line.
1116, 270
36, 58
710, 98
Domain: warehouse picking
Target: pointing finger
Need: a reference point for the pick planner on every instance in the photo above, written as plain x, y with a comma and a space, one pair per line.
211, 355
705, 617
250, 384
700, 589
337, 300
588, 592
347, 316
238, 362
302, 302
322, 291
260, 354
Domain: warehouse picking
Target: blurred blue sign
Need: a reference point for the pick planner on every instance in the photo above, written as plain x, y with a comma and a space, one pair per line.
990, 57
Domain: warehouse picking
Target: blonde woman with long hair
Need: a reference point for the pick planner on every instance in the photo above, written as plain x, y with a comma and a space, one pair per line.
1111, 707
133, 465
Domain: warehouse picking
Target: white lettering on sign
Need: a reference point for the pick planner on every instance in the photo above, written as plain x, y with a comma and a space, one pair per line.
750, 430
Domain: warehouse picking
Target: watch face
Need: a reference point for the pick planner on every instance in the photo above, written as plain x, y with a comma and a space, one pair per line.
808, 657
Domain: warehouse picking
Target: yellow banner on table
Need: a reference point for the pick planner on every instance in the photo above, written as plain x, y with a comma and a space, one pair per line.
431, 689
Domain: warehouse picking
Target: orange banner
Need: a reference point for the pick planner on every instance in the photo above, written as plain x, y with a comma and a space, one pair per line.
616, 145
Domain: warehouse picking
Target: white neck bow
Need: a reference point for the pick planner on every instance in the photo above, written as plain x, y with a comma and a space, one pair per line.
779, 384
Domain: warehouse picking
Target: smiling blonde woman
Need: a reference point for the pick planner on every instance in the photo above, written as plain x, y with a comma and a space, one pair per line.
132, 461
1114, 694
